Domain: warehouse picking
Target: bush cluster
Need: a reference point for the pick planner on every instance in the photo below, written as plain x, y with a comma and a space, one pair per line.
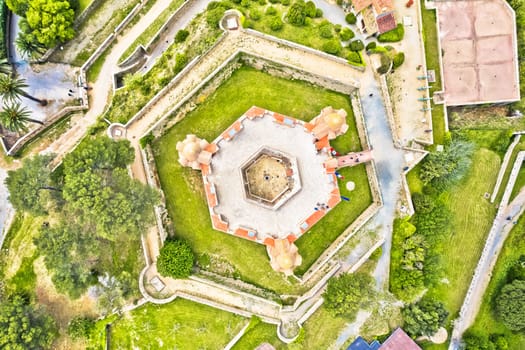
346, 34
332, 47
354, 57
392, 36
300, 11
350, 18
356, 45
398, 60
176, 259
181, 36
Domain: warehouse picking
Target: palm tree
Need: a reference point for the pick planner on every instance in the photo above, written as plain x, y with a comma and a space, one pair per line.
11, 88
28, 46
14, 117
5, 66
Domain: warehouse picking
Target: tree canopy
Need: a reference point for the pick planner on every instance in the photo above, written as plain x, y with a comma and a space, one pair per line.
51, 21
510, 305
348, 293
442, 169
175, 259
27, 185
424, 317
98, 188
24, 327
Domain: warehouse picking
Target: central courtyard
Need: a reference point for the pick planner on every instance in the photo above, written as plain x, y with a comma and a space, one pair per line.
186, 197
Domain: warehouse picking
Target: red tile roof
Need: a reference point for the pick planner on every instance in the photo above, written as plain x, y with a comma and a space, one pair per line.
386, 22
382, 6
399, 340
359, 5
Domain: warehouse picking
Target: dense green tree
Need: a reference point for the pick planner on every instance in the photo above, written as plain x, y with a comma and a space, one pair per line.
332, 47
67, 250
24, 327
346, 34
181, 35
18, 6
176, 259
424, 317
11, 88
98, 189
110, 295
80, 327
356, 45
51, 21
28, 185
296, 15
517, 270
510, 304
14, 117
398, 59
350, 18
441, 169
347, 293
276, 23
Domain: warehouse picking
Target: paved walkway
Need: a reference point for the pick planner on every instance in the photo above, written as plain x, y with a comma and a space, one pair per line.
102, 87
503, 224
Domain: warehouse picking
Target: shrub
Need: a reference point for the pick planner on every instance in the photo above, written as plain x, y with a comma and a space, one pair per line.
276, 23
510, 304
326, 31
262, 2
350, 18
285, 2
318, 13
338, 28
442, 169
310, 9
146, 140
181, 35
354, 57
180, 62
175, 259
398, 60
332, 47
424, 317
255, 14
214, 16
346, 34
275, 1
271, 11
296, 15
371, 45
356, 45
385, 64
348, 293
80, 327
245, 3
392, 36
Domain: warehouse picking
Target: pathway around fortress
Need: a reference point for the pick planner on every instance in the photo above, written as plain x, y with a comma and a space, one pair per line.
507, 215
102, 87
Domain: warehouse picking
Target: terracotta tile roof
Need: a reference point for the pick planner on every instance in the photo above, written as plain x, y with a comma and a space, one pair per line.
386, 22
382, 6
359, 5
254, 112
218, 224
212, 148
322, 143
399, 340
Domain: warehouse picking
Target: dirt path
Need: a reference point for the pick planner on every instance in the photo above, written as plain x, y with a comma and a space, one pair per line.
102, 88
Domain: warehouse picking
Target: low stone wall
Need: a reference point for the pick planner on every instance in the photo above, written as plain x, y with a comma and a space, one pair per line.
503, 167
303, 48
21, 142
285, 70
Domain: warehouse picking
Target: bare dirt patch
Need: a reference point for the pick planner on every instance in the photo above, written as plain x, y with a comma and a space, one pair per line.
60, 306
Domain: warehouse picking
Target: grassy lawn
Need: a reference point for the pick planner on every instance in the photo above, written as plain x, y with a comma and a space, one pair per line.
184, 191
181, 324
430, 39
486, 320
414, 182
152, 29
472, 217
83, 4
